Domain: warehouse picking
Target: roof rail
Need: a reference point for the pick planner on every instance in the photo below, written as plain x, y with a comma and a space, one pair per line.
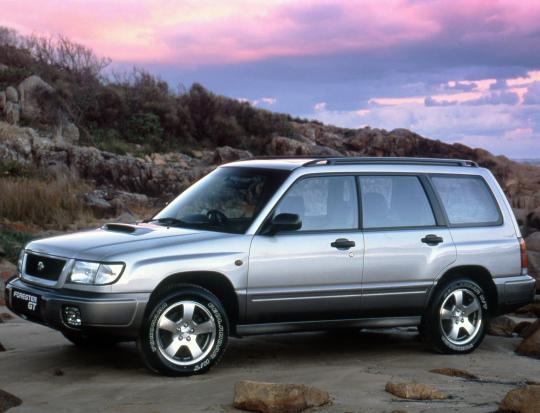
390, 160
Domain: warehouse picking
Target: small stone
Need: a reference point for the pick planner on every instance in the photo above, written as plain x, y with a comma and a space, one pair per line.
414, 391
58, 372
8, 400
523, 400
2, 348
272, 397
449, 371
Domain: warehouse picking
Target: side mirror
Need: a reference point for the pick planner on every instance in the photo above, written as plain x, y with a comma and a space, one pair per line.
286, 222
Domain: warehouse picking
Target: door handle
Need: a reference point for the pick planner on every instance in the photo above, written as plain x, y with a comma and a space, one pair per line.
343, 244
432, 239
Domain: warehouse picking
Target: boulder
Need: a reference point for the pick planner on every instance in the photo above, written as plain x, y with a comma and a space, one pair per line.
531, 344
272, 397
522, 400
452, 372
522, 328
125, 218
533, 242
12, 113
29, 90
12, 95
8, 400
521, 216
67, 132
531, 309
99, 206
227, 154
534, 218
502, 326
414, 391
533, 267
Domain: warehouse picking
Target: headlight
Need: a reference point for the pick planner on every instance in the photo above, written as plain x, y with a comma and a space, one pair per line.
85, 272
20, 263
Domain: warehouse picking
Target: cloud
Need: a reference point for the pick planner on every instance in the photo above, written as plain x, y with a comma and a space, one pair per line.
532, 97
320, 106
496, 98
270, 101
429, 101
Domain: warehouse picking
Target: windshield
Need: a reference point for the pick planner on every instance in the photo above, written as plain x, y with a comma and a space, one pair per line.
227, 200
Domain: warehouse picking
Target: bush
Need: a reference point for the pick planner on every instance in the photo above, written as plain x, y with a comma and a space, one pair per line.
143, 128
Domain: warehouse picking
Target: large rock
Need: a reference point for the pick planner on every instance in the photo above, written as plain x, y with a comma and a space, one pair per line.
533, 267
502, 326
531, 344
523, 400
8, 400
521, 216
227, 154
533, 242
534, 218
67, 132
11, 113
29, 90
414, 391
12, 95
271, 397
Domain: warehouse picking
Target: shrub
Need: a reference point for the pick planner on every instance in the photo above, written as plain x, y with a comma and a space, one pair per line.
143, 128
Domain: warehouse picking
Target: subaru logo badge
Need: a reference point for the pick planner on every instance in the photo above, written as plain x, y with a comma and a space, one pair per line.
40, 266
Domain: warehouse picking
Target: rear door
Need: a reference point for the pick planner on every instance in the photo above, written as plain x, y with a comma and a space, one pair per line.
406, 245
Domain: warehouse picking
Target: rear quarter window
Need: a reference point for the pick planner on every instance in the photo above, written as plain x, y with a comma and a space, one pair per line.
468, 200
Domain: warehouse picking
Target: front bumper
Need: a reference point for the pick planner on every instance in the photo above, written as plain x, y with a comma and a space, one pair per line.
117, 316
514, 292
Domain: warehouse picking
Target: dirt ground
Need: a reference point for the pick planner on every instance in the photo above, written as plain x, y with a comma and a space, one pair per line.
51, 375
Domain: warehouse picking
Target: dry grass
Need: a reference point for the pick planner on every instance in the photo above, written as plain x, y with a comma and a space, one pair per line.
49, 202
9, 132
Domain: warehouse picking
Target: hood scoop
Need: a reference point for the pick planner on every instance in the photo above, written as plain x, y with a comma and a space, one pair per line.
125, 228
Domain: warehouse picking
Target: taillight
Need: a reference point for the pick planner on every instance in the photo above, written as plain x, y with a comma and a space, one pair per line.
523, 249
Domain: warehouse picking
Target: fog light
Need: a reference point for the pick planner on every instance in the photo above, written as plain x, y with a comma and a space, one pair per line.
72, 316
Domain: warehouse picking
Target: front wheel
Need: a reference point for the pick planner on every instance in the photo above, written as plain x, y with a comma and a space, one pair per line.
457, 318
185, 332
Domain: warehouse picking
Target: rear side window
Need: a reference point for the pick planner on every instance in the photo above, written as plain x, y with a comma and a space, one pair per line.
467, 200
394, 201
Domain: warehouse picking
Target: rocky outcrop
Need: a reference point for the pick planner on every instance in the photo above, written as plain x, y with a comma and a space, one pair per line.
271, 397
414, 391
523, 400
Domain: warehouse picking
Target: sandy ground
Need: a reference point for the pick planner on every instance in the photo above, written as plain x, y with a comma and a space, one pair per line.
51, 375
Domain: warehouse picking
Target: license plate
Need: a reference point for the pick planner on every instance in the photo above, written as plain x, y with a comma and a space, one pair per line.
26, 303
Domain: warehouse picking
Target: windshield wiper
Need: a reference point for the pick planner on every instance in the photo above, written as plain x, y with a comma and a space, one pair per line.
168, 221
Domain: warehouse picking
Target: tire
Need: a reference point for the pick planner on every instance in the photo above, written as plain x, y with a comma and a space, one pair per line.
185, 332
457, 318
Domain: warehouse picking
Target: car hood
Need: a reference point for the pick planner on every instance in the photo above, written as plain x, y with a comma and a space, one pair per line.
113, 239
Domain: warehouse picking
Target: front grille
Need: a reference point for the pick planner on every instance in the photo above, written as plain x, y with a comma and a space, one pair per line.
44, 267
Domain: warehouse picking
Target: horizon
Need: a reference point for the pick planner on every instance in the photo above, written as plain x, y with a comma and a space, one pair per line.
453, 70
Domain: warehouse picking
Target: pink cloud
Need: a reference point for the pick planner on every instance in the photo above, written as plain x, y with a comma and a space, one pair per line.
190, 32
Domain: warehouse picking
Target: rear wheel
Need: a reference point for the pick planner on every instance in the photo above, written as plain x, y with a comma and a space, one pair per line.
457, 318
185, 332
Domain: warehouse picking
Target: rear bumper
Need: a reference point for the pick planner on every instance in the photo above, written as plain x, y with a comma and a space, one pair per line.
117, 316
514, 292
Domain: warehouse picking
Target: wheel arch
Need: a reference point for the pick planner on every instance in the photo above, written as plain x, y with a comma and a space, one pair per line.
476, 273
215, 282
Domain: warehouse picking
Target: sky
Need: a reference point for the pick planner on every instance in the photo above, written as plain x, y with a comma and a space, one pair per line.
464, 71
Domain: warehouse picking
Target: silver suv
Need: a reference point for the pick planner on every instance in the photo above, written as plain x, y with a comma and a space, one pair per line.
278, 245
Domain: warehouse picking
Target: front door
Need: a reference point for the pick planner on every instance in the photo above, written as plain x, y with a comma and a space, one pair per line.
314, 273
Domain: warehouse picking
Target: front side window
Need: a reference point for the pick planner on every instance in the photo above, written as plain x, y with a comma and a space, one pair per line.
226, 200
467, 200
394, 201
323, 203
